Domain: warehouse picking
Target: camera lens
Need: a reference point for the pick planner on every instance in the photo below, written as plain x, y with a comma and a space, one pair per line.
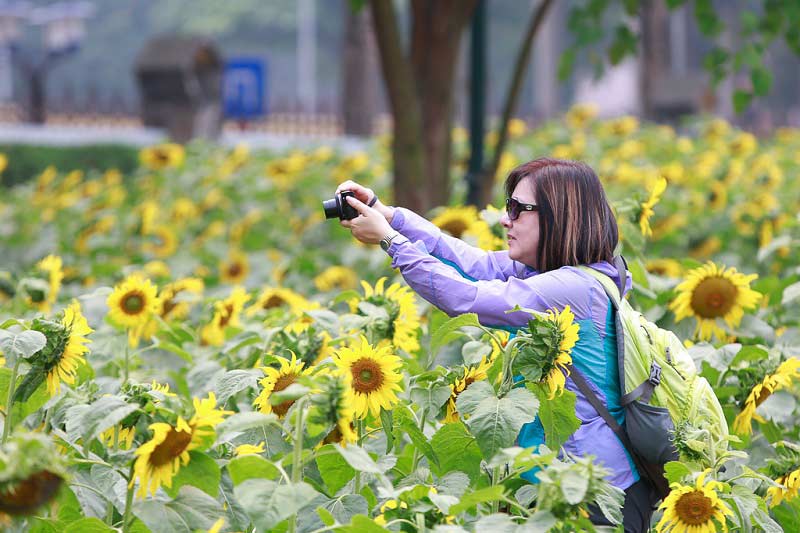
331, 208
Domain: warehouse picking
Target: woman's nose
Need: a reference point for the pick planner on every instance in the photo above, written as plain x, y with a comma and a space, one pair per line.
505, 221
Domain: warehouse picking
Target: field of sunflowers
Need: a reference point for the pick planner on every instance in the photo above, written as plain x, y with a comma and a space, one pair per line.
193, 347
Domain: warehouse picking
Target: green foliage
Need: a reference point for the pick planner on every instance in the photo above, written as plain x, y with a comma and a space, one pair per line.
25, 162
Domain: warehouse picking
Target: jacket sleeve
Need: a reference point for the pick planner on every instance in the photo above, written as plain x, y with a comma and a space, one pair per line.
444, 287
469, 260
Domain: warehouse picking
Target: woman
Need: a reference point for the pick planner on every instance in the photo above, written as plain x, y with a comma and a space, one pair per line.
557, 217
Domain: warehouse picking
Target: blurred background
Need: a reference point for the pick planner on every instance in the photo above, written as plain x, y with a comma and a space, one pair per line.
315, 56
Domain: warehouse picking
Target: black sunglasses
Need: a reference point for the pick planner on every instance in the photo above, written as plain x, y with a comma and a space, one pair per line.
514, 207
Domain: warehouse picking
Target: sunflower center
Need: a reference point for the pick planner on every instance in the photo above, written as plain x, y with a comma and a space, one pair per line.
173, 446
133, 303
168, 306
161, 156
234, 270
456, 228
280, 384
274, 301
713, 297
367, 375
226, 315
30, 493
763, 395
694, 508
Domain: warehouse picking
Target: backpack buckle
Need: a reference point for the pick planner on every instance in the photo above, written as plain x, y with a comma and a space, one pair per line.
655, 374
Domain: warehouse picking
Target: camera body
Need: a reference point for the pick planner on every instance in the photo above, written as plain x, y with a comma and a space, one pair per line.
337, 207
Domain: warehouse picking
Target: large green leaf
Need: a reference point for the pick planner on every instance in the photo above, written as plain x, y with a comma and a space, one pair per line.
89, 525
236, 381
250, 467
557, 417
457, 451
192, 509
409, 427
333, 468
431, 397
343, 509
495, 423
201, 471
359, 459
471, 499
268, 503
88, 421
21, 344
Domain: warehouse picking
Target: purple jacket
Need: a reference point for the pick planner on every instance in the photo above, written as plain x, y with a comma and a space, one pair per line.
459, 278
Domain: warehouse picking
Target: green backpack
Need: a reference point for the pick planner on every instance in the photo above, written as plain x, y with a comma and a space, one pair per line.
659, 386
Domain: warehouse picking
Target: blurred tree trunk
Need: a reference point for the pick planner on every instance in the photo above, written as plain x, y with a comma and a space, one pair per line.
420, 88
654, 61
360, 81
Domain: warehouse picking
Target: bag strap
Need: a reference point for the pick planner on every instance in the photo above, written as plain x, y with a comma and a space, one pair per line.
614, 291
653, 473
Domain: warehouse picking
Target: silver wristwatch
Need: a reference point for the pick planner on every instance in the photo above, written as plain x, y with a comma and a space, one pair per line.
387, 241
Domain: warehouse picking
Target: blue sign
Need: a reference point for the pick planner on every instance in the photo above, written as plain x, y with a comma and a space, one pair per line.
244, 88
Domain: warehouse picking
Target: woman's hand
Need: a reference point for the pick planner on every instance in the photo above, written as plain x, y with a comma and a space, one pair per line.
370, 226
365, 196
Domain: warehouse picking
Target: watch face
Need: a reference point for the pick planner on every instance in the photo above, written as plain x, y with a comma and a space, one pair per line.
385, 244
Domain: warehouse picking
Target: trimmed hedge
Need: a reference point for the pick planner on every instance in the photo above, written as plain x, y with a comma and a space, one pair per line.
28, 161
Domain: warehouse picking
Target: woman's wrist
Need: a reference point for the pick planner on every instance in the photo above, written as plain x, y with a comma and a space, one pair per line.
385, 210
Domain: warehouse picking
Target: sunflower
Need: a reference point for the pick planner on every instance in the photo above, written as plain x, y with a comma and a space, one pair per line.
695, 509
173, 305
373, 374
51, 265
456, 220
162, 243
399, 302
226, 313
711, 292
123, 435
647, 207
336, 277
276, 380
132, 304
706, 247
159, 459
664, 267
274, 297
235, 268
74, 349
249, 449
782, 378
472, 374
568, 336
334, 405
789, 489
718, 197
167, 155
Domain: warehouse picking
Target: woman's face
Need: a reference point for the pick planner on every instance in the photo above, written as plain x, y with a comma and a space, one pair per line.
523, 233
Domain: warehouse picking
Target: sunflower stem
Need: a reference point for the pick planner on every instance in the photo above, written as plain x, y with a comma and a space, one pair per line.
495, 481
297, 458
420, 523
417, 455
360, 428
126, 516
127, 358
508, 359
9, 400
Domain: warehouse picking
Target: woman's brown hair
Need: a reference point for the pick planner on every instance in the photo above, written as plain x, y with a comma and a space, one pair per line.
576, 224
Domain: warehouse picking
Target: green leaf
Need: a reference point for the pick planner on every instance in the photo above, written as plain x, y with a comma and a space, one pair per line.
457, 451
448, 330
201, 472
409, 426
766, 523
268, 503
791, 293
761, 79
345, 508
333, 468
749, 354
22, 344
88, 525
388, 425
251, 466
473, 352
89, 421
471, 499
469, 400
358, 458
361, 524
240, 422
675, 471
431, 397
193, 509
496, 422
741, 99
236, 381
574, 486
325, 516
557, 417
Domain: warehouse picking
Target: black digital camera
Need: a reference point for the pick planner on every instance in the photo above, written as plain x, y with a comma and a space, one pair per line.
338, 207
